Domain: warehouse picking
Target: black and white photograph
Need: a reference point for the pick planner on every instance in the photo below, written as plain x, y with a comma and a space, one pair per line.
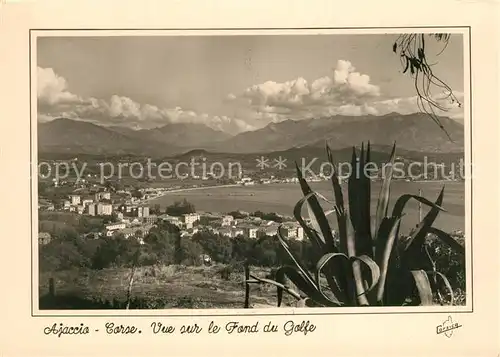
251, 169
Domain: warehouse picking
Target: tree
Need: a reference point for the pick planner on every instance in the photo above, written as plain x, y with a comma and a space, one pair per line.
218, 247
156, 209
180, 207
136, 193
190, 252
412, 51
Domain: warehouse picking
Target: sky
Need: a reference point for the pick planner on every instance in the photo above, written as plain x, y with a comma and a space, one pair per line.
230, 83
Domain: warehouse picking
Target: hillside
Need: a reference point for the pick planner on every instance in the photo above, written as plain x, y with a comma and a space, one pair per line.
412, 132
415, 132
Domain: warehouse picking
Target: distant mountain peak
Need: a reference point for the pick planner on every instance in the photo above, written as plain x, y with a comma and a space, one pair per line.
411, 131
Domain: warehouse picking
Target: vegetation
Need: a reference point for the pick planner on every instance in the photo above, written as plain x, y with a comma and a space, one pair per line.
155, 287
369, 263
412, 51
268, 216
163, 246
180, 207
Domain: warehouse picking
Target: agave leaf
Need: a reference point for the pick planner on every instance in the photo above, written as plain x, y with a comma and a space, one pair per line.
302, 269
312, 234
342, 226
279, 286
359, 283
316, 211
314, 222
373, 268
337, 189
336, 278
446, 284
321, 247
312, 291
417, 238
297, 279
329, 212
351, 239
397, 211
385, 247
312, 215
324, 260
353, 190
448, 239
302, 302
423, 285
364, 244
383, 198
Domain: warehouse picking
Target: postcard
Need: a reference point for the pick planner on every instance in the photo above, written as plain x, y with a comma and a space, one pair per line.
177, 181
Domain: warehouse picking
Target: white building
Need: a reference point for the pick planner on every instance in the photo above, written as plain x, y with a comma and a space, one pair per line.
104, 209
250, 231
75, 200
227, 220
115, 226
87, 201
92, 209
190, 218
102, 196
300, 233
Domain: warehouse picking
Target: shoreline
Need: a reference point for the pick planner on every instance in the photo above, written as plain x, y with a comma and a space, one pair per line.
165, 193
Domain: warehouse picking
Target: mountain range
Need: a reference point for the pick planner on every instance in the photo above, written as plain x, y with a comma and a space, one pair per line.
414, 132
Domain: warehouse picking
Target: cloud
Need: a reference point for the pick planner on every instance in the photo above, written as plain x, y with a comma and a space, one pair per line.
344, 92
55, 100
52, 89
344, 86
409, 105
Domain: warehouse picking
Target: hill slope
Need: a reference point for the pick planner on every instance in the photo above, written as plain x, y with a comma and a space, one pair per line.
411, 132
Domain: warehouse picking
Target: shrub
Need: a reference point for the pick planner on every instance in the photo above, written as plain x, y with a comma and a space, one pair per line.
369, 263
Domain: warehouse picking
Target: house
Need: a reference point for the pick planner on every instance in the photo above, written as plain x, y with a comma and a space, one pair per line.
140, 211
92, 209
139, 232
150, 219
87, 201
75, 200
292, 230
300, 233
115, 226
268, 230
104, 209
102, 196
185, 234
80, 209
135, 222
44, 238
237, 232
190, 218
91, 235
227, 220
250, 231
226, 232
171, 219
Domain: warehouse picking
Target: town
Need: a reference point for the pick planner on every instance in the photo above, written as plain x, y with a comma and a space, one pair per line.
127, 213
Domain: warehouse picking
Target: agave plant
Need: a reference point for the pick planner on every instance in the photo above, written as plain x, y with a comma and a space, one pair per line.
368, 262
